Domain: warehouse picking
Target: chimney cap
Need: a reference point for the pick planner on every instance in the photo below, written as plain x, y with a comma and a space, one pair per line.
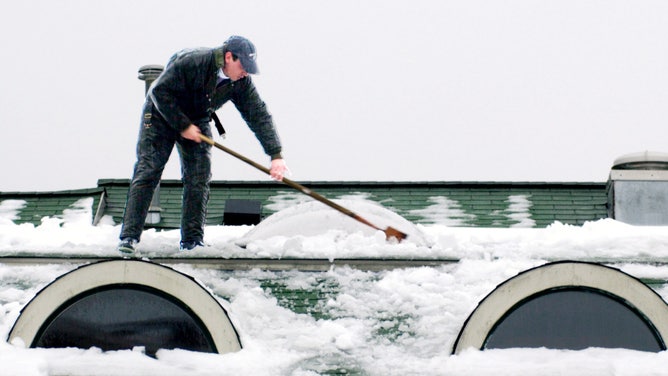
646, 160
150, 72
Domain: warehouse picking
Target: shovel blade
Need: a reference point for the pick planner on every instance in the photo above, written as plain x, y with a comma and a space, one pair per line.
392, 232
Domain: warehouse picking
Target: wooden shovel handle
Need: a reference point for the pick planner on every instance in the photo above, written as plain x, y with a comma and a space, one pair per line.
389, 232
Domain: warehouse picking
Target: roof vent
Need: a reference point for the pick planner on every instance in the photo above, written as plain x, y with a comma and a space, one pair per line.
647, 160
638, 189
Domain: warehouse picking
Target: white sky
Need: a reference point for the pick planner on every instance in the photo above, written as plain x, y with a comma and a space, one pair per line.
520, 90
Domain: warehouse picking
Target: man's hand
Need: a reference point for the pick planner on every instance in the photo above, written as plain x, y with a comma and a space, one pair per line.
278, 169
192, 133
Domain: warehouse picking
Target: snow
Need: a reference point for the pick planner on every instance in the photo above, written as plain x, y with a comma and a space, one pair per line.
394, 322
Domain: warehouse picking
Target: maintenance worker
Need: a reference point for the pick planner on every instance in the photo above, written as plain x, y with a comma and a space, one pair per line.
179, 108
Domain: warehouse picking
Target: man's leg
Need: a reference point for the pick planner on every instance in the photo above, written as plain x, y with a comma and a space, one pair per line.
196, 176
155, 145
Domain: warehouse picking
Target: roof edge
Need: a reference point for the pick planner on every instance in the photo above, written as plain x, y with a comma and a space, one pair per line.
71, 192
486, 184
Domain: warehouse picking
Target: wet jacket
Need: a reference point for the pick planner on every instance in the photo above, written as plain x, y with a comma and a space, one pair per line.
187, 92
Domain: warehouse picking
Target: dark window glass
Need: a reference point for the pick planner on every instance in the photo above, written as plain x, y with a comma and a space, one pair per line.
574, 318
123, 317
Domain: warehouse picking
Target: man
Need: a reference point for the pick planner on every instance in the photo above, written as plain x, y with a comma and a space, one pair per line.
178, 109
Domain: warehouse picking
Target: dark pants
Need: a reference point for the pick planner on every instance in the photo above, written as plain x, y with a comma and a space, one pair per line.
156, 141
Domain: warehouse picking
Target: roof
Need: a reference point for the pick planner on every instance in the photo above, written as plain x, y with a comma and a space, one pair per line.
458, 204
472, 204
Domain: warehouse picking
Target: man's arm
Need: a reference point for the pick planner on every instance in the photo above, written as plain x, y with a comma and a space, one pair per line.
254, 111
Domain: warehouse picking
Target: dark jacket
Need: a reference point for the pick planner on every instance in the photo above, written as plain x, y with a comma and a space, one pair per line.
186, 93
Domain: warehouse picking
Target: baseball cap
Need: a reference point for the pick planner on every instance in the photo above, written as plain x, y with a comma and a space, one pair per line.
245, 51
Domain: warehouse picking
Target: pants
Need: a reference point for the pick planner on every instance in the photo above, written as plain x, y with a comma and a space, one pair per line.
155, 145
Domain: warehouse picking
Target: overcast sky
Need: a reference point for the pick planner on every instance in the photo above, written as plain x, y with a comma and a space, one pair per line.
383, 90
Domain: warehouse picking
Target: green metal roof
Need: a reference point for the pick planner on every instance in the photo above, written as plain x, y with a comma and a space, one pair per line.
37, 205
458, 204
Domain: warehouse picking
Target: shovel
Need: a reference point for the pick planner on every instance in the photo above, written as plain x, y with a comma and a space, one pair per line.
389, 231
